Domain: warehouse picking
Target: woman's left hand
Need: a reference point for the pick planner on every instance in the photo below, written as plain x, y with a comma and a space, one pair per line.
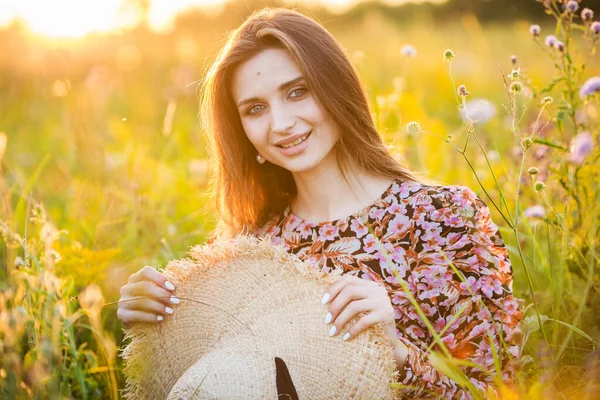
349, 296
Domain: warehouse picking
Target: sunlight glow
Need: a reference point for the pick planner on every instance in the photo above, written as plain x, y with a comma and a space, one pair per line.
75, 18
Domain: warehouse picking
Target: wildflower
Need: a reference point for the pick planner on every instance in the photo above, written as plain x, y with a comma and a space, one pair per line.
516, 87
533, 171
535, 30
581, 146
590, 87
448, 55
513, 60
515, 73
408, 51
572, 6
550, 40
413, 128
595, 27
560, 46
480, 111
547, 100
535, 212
527, 142
462, 91
587, 15
539, 186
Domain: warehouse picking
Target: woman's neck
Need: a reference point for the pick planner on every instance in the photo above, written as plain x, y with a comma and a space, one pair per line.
325, 196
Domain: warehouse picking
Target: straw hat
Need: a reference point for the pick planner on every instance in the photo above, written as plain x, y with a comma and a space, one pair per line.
250, 326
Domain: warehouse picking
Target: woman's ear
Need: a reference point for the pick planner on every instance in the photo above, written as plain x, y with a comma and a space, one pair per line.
285, 386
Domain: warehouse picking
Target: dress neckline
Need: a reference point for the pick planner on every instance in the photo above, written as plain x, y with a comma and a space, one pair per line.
290, 213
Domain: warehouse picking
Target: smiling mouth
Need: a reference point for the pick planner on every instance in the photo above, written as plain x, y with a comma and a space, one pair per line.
296, 142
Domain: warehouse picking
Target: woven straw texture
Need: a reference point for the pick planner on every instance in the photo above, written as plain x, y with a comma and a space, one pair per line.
245, 301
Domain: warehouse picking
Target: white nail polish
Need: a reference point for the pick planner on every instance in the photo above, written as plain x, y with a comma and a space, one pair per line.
159, 318
169, 310
346, 336
169, 285
325, 298
332, 331
174, 300
328, 318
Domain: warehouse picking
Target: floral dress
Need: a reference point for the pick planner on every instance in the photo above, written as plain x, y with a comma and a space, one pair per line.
414, 239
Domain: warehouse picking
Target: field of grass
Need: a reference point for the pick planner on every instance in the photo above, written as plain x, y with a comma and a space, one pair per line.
103, 170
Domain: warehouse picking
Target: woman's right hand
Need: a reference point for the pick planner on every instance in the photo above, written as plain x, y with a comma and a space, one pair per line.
146, 297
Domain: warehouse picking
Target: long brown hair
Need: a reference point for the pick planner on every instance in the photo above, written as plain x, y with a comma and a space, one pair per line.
246, 193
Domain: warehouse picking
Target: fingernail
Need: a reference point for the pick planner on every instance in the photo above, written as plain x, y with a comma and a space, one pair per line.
332, 331
346, 336
174, 300
325, 298
159, 318
169, 285
169, 310
328, 318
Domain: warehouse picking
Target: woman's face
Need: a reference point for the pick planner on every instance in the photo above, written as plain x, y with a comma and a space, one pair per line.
275, 105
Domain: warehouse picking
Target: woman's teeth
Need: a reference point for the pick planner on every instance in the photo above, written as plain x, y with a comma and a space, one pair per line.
297, 141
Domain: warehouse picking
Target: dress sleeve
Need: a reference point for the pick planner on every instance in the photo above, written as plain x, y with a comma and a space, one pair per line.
451, 225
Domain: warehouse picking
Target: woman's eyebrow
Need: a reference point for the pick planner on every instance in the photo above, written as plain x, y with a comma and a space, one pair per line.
282, 87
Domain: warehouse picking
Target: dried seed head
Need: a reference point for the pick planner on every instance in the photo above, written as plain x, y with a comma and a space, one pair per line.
535, 30
448, 55
587, 15
547, 100
515, 73
412, 128
539, 186
462, 91
526, 143
516, 87
533, 171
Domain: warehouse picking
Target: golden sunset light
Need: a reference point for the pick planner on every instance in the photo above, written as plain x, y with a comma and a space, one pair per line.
76, 18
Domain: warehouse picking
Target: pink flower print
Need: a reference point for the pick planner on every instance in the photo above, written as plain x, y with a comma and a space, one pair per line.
463, 196
398, 226
428, 310
406, 188
357, 227
489, 286
377, 213
470, 286
439, 324
328, 232
370, 243
277, 241
449, 341
415, 332
292, 223
305, 230
436, 276
480, 329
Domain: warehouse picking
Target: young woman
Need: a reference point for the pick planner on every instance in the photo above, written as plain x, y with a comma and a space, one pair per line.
297, 159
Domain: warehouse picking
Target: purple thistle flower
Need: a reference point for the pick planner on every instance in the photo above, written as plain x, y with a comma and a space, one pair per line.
572, 6
535, 212
550, 40
590, 87
581, 146
587, 15
535, 30
560, 46
595, 27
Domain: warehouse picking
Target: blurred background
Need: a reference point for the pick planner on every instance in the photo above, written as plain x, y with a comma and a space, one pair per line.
100, 136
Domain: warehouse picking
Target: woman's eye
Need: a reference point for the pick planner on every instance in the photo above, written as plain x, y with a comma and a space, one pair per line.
254, 109
298, 92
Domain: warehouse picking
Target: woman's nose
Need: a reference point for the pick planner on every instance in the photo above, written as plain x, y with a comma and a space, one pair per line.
282, 120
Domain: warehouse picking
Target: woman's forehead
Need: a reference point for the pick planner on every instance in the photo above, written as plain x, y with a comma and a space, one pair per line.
264, 73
